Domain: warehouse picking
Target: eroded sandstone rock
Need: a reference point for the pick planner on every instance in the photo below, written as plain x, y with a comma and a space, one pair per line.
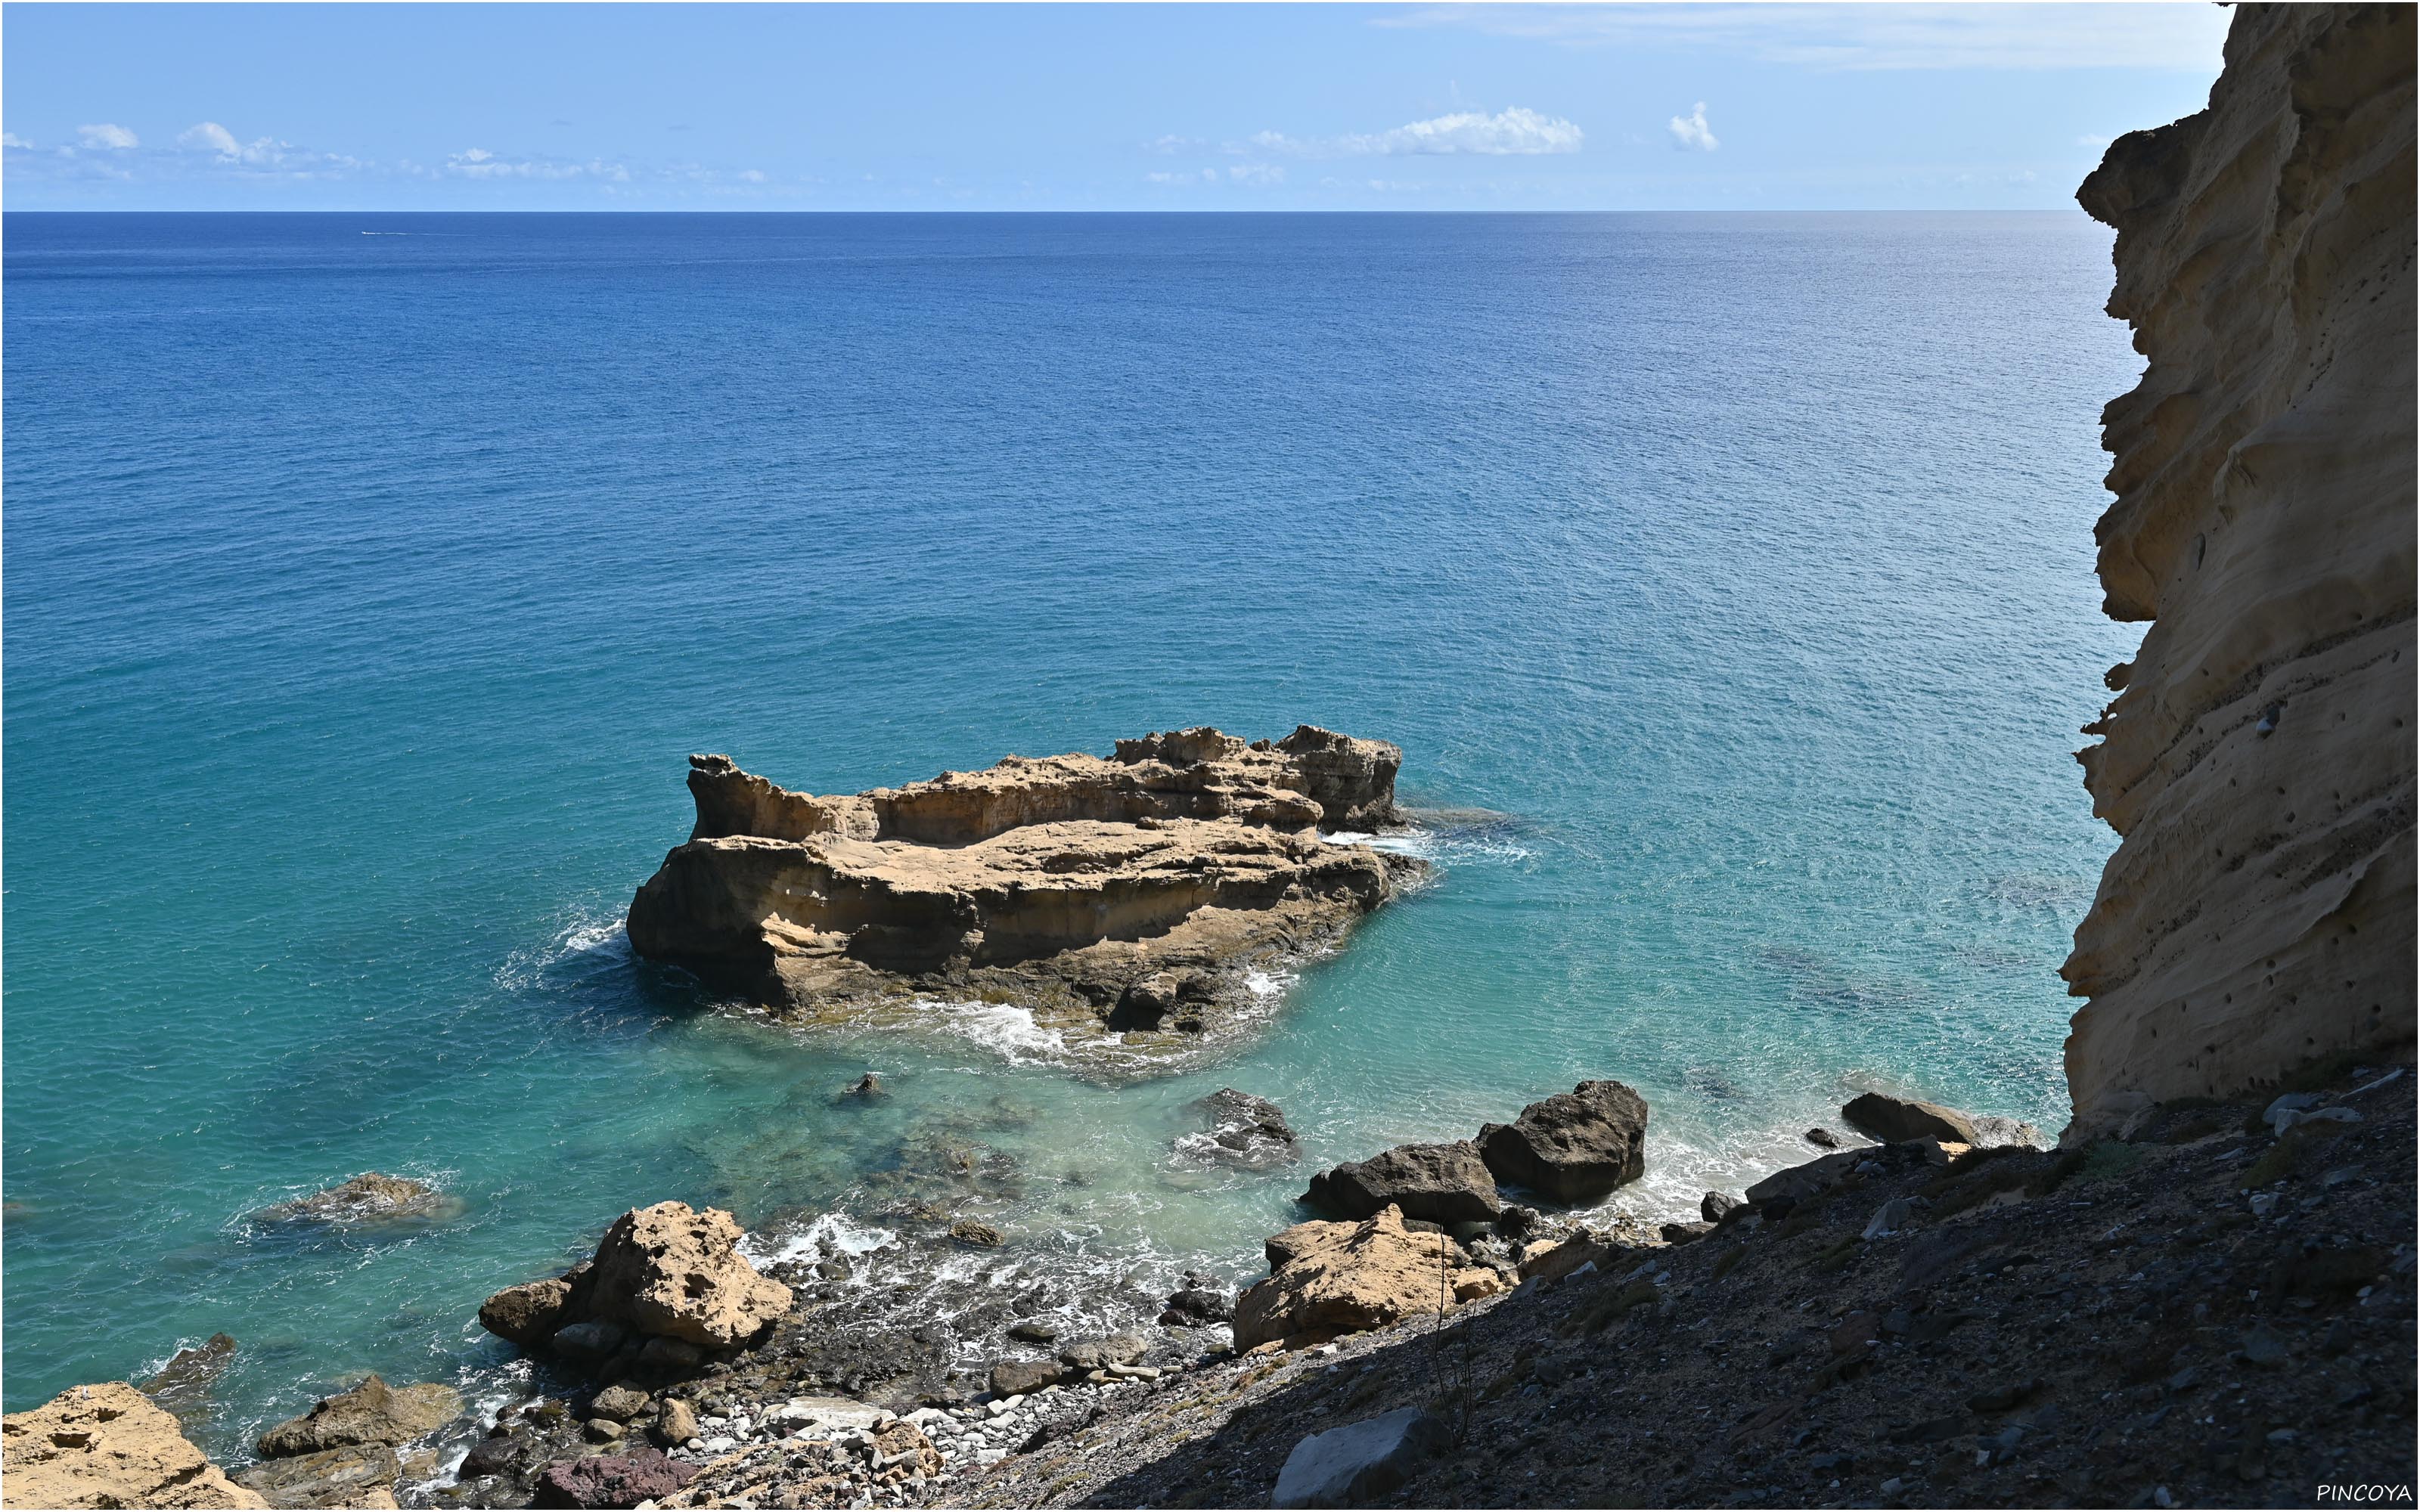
1127, 895
1891, 1120
2259, 756
107, 1446
1334, 1279
675, 1272
1572, 1148
670, 1274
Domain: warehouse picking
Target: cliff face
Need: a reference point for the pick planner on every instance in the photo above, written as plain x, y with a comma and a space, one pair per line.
2258, 757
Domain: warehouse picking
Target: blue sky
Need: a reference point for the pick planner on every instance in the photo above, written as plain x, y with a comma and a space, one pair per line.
1082, 107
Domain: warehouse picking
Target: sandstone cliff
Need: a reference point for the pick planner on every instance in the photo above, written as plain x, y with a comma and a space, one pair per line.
107, 1446
1125, 895
2258, 757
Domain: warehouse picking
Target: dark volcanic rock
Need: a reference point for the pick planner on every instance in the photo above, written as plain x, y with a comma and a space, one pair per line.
1245, 1130
611, 1480
1892, 1120
1575, 1147
1434, 1184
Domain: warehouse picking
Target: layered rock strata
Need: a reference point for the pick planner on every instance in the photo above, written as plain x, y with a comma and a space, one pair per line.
1127, 895
107, 1446
2258, 757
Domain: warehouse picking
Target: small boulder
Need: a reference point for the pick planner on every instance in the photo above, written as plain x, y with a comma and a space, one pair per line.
1434, 1184
675, 1424
1101, 1353
1359, 1463
1714, 1206
184, 1385
108, 1445
371, 1413
1194, 1303
976, 1234
1796, 1183
1033, 1331
675, 1271
902, 1449
611, 1480
1572, 1148
498, 1456
1684, 1233
528, 1314
868, 1085
620, 1403
1246, 1131
1822, 1139
1023, 1377
1546, 1260
1891, 1120
671, 1357
1343, 1278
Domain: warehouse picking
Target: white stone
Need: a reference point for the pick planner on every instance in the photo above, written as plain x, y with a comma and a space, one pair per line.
1353, 1465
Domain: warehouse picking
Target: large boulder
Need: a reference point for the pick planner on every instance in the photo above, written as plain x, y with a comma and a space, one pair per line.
107, 1446
1359, 1463
1573, 1147
1346, 1277
1434, 1184
673, 1271
1892, 1120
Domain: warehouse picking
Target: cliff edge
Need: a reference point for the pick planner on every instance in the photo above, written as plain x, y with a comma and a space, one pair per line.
2258, 757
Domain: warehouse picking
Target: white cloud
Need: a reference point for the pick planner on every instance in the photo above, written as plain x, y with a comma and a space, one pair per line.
1517, 130
1851, 37
1260, 175
1690, 132
2087, 140
475, 155
1166, 146
753, 175
11, 139
212, 137
106, 135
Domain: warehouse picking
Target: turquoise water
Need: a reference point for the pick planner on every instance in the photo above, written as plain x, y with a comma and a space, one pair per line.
365, 595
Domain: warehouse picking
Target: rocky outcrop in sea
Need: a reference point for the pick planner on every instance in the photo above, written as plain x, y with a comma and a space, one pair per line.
1122, 901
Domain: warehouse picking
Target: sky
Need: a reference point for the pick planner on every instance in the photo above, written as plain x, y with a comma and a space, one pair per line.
1121, 107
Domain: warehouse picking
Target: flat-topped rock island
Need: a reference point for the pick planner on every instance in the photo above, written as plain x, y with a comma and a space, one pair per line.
1126, 901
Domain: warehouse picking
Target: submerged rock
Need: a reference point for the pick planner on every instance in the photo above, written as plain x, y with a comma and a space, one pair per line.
185, 1383
1102, 895
371, 1413
107, 1446
1428, 1183
1247, 1132
1575, 1147
367, 1199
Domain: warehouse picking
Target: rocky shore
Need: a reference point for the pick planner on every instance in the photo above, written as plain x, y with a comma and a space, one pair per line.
1124, 902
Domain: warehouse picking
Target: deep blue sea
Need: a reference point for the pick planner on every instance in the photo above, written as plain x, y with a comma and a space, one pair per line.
369, 579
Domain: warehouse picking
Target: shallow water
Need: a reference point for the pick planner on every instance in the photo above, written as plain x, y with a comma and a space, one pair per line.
365, 593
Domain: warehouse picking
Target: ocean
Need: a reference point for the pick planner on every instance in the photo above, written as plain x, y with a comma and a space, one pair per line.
1727, 580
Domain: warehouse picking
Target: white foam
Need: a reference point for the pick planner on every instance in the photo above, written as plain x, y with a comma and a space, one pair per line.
1006, 1029
832, 1234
